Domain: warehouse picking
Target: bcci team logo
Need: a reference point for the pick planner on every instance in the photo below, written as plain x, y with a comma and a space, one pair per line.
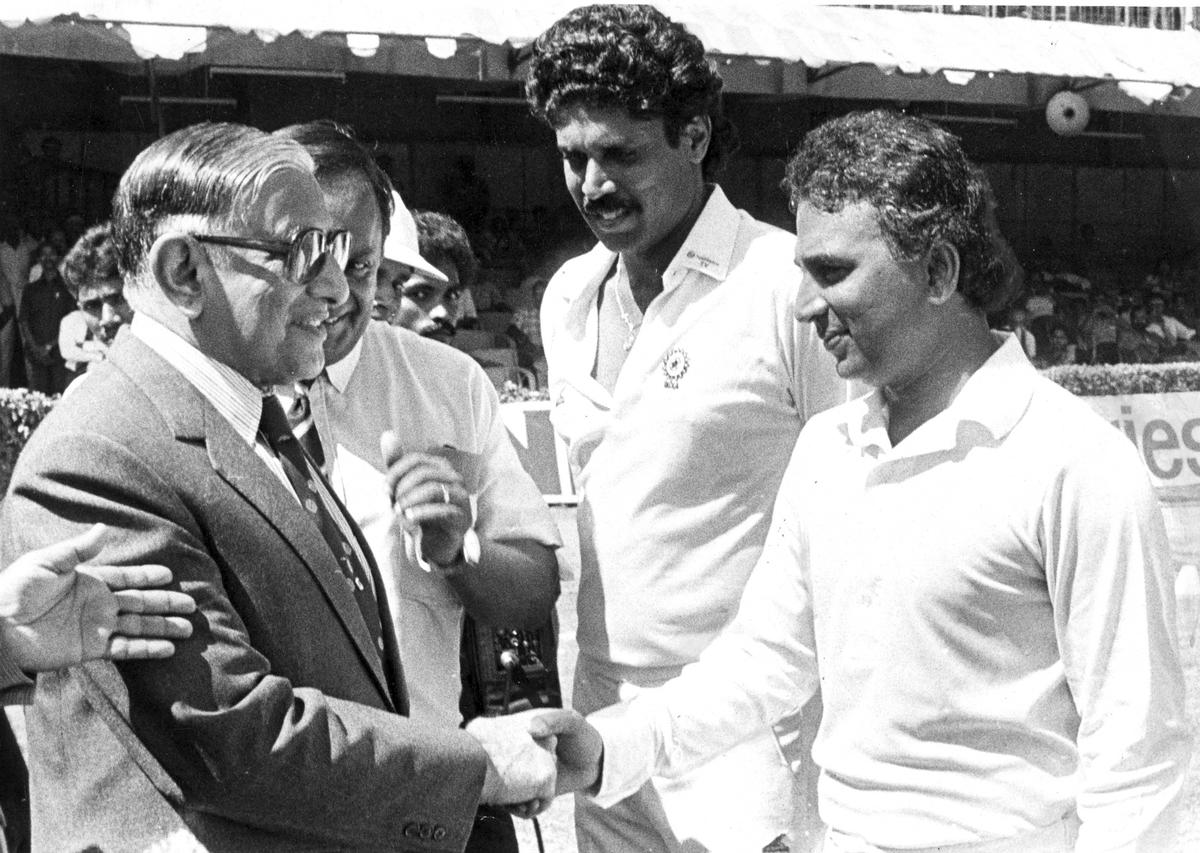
675, 364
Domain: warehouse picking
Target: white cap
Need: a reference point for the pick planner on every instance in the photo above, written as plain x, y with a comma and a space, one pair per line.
402, 245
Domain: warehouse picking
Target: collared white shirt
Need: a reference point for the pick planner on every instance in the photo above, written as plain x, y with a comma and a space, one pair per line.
432, 397
989, 607
677, 468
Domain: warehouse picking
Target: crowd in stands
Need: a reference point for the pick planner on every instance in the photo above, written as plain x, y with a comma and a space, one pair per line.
1069, 314
61, 300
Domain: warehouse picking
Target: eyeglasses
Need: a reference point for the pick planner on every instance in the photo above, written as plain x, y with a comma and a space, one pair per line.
304, 253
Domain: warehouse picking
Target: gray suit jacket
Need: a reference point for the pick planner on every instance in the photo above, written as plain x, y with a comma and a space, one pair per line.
274, 720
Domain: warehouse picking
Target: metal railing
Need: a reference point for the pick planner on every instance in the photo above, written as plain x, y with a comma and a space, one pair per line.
1146, 17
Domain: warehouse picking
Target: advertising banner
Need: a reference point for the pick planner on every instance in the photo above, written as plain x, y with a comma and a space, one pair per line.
1165, 428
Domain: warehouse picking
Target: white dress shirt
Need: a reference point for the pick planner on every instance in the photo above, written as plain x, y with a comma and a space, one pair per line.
432, 397
988, 607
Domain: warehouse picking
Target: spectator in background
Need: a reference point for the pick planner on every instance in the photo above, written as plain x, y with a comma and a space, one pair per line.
8, 319
1099, 332
1183, 309
1059, 349
428, 306
1017, 319
91, 274
1163, 276
16, 255
526, 313
1175, 334
1040, 302
1136, 344
402, 259
44, 304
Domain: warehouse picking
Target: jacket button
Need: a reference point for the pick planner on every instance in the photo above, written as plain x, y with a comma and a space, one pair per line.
439, 832
410, 830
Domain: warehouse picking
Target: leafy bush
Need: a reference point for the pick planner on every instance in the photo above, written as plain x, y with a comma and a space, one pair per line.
1113, 380
21, 410
511, 392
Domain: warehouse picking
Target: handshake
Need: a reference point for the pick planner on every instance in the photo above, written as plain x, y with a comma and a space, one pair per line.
535, 756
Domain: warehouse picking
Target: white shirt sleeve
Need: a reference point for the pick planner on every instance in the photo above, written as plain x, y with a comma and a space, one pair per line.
762, 668
1178, 330
1111, 584
509, 505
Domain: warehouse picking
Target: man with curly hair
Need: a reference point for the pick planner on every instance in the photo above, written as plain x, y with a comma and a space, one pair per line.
90, 273
969, 561
680, 380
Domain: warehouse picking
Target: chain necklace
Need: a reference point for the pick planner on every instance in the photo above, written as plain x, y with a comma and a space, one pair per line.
629, 324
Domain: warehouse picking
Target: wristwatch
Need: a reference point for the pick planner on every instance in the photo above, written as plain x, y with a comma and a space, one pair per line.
467, 558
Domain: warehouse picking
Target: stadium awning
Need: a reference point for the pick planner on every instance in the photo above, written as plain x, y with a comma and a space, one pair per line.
770, 47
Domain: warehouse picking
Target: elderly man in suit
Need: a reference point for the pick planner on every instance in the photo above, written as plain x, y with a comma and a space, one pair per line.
280, 724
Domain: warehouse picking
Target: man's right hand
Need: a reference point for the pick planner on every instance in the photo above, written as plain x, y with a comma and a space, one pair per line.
519, 769
578, 748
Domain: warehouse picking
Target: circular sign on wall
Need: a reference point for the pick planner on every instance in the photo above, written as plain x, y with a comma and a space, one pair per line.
1067, 113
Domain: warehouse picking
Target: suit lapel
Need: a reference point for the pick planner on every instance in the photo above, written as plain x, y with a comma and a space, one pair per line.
195, 420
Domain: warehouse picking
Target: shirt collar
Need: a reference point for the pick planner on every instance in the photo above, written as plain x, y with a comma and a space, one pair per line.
994, 398
233, 396
709, 246
708, 249
339, 374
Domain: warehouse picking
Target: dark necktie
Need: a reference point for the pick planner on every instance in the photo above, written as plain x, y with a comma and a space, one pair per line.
307, 481
300, 416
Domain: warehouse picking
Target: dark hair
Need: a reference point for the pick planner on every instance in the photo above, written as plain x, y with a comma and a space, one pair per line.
202, 175
634, 58
440, 238
925, 190
92, 259
339, 155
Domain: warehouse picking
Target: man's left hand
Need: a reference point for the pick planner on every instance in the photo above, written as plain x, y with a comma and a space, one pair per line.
55, 612
428, 493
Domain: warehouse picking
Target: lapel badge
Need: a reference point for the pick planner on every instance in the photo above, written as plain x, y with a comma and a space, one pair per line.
674, 364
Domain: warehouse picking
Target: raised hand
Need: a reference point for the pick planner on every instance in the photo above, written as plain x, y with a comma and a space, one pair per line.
428, 493
55, 612
519, 769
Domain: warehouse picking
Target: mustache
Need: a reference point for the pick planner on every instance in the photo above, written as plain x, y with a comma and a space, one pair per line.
439, 328
607, 204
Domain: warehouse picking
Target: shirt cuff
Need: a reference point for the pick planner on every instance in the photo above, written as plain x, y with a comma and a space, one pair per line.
631, 747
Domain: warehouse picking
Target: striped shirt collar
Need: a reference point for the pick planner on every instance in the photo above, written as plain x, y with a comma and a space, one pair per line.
233, 396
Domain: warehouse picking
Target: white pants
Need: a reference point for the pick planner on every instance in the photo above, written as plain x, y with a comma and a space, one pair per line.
1056, 838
